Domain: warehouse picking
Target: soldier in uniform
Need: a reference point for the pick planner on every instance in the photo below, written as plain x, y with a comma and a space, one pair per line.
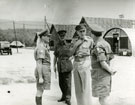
81, 52
64, 66
101, 71
42, 71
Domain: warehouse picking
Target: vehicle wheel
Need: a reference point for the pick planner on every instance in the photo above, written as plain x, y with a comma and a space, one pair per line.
1, 52
10, 52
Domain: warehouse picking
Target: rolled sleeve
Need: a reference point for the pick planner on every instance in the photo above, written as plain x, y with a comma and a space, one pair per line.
100, 54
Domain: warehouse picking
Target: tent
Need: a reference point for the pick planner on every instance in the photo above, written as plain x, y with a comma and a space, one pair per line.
17, 44
122, 40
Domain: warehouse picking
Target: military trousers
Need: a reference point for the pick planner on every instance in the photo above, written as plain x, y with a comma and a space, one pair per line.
65, 84
82, 82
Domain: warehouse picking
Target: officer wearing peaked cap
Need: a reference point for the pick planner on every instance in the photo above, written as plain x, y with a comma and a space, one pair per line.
42, 71
40, 34
101, 71
96, 28
62, 32
64, 67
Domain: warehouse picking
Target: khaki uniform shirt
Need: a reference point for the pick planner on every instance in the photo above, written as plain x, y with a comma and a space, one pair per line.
43, 53
84, 49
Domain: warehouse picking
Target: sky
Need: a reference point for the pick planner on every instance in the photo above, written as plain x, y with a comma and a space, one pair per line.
65, 11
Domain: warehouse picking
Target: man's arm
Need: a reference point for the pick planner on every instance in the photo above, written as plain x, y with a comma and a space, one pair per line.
55, 68
107, 67
75, 46
102, 58
55, 61
39, 69
35, 54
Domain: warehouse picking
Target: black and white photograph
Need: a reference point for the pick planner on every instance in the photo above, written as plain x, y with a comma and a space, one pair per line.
67, 52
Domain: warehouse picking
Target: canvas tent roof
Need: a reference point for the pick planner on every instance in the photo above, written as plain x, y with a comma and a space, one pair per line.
131, 35
69, 28
18, 43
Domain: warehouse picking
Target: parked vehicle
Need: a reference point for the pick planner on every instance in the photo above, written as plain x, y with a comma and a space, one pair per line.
5, 47
16, 44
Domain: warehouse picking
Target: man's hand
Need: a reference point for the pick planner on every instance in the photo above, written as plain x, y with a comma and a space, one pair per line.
41, 80
113, 72
55, 70
71, 58
75, 46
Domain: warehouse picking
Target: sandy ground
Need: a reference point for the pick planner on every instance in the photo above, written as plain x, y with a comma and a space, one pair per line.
17, 82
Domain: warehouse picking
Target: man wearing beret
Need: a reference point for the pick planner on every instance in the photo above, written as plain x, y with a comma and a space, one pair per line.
101, 71
81, 52
42, 71
64, 66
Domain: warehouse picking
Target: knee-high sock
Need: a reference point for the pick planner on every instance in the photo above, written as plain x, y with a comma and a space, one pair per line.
38, 100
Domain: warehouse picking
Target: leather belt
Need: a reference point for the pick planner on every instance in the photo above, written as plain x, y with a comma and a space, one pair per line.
64, 58
81, 58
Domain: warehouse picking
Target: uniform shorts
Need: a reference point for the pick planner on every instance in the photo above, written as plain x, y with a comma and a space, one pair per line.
101, 85
46, 72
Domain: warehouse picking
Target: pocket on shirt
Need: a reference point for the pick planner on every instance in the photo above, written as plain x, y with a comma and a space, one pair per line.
85, 45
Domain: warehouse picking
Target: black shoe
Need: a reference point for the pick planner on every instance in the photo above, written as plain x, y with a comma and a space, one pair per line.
68, 102
62, 99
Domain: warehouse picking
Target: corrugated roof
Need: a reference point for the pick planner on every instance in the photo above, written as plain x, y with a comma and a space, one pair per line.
107, 23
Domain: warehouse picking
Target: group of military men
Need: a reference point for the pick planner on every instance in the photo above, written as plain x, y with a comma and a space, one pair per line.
91, 60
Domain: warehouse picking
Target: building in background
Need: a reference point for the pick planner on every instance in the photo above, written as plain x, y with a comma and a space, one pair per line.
122, 40
118, 32
106, 23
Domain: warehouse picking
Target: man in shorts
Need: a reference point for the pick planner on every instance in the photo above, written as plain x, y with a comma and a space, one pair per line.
42, 71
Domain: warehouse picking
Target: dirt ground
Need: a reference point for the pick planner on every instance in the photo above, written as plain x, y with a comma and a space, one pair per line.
17, 82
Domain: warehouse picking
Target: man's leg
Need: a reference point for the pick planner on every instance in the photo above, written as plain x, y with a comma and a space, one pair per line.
103, 100
38, 97
39, 94
67, 80
39, 73
62, 86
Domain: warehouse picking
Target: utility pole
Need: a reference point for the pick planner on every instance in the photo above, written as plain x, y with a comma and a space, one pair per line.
45, 23
121, 17
23, 34
15, 35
